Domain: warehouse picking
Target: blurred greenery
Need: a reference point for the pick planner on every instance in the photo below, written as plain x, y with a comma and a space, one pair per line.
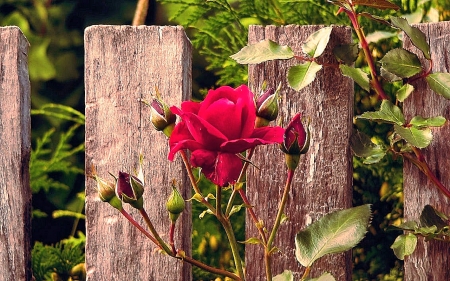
217, 29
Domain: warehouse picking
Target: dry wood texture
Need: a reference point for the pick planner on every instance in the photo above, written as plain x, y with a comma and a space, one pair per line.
123, 65
15, 126
323, 181
431, 260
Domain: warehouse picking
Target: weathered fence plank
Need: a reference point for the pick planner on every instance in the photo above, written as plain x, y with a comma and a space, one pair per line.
123, 65
323, 181
15, 147
431, 260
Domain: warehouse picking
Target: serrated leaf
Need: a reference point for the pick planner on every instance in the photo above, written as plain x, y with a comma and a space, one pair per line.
431, 217
417, 37
418, 137
390, 77
348, 53
300, 76
334, 233
379, 4
388, 113
316, 43
420, 122
401, 63
404, 92
360, 77
440, 83
404, 245
262, 51
362, 146
324, 277
285, 276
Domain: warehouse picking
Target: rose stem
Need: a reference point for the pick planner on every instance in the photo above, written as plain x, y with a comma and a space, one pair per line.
171, 238
138, 226
230, 233
155, 233
277, 223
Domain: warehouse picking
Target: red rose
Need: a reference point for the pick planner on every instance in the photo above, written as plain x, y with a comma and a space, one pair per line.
217, 129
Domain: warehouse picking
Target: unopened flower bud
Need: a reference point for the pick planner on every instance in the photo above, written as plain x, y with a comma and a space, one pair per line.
162, 117
266, 107
175, 204
295, 142
130, 189
107, 193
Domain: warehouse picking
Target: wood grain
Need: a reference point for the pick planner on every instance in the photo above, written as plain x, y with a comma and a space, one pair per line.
323, 180
431, 260
123, 65
15, 147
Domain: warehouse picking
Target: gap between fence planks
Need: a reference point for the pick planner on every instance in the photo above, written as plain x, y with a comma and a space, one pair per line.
323, 181
124, 64
431, 260
15, 147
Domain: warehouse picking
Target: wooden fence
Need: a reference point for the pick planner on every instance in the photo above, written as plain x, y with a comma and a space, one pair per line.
124, 64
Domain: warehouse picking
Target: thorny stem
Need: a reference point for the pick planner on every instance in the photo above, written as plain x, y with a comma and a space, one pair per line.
230, 233
268, 249
421, 163
152, 229
365, 46
141, 12
178, 255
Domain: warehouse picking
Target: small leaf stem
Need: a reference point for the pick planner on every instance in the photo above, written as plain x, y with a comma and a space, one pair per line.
365, 46
153, 231
277, 223
194, 182
421, 163
141, 12
230, 233
306, 273
171, 236
209, 268
138, 226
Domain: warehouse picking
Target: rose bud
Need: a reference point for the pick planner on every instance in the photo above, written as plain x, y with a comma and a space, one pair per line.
295, 142
107, 193
162, 117
129, 189
175, 204
266, 107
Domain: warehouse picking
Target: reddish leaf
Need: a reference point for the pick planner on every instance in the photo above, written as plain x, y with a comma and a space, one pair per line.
379, 4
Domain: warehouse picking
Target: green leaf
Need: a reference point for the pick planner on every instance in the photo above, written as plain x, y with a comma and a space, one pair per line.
404, 245
336, 232
440, 83
418, 137
285, 276
324, 277
417, 37
420, 122
262, 51
317, 42
236, 209
375, 18
401, 63
300, 76
348, 53
252, 240
404, 92
379, 4
388, 113
378, 35
431, 217
362, 146
360, 77
390, 77
41, 68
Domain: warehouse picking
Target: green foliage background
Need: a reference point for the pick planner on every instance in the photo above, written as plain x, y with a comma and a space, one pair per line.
217, 29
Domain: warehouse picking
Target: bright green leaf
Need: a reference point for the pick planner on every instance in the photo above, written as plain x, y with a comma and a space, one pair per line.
348, 53
236, 208
252, 240
388, 113
404, 245
440, 83
285, 276
401, 63
417, 37
317, 42
362, 146
324, 277
336, 232
41, 68
262, 51
360, 77
420, 122
378, 4
300, 76
404, 92
418, 137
